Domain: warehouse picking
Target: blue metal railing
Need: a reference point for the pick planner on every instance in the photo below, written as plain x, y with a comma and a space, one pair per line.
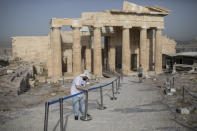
47, 104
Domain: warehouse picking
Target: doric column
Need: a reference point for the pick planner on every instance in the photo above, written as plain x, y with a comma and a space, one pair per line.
158, 51
112, 53
97, 52
150, 51
126, 55
76, 51
69, 61
105, 53
88, 54
56, 52
143, 49
50, 57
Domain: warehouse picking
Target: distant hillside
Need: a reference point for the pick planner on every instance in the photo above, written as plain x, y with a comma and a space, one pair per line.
186, 46
5, 45
187, 43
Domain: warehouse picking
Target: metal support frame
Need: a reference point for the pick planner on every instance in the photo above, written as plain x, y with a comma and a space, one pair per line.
46, 116
117, 87
113, 96
101, 107
61, 114
119, 82
173, 82
183, 95
87, 117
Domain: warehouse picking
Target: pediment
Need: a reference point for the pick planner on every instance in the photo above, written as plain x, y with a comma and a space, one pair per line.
134, 8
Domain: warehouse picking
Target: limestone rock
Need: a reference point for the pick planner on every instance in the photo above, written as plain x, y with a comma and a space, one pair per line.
41, 79
183, 111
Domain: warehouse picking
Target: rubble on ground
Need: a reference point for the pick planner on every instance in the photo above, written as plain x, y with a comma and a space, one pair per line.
184, 107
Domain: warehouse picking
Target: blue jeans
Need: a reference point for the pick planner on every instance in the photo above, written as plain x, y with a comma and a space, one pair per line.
76, 101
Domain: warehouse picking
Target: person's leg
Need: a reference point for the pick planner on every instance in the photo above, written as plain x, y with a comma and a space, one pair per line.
82, 104
76, 107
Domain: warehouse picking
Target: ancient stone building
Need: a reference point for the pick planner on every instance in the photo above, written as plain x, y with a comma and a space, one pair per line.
108, 40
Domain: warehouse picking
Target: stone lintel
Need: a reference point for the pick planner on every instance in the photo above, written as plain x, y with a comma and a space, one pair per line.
77, 22
127, 26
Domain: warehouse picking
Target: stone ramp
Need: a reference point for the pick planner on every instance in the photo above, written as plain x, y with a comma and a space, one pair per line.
137, 108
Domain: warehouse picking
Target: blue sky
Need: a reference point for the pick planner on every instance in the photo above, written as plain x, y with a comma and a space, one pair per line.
32, 17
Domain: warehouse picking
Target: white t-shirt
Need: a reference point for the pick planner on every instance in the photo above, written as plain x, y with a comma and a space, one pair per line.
77, 81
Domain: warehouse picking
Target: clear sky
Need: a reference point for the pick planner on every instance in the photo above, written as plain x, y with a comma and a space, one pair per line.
32, 17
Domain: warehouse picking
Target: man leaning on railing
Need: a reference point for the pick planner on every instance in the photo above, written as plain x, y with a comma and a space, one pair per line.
78, 85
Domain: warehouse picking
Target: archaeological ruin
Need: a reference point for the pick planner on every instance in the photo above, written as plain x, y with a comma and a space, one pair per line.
109, 40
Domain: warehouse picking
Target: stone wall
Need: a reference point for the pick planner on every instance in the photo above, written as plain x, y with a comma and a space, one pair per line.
168, 45
31, 48
36, 48
5, 53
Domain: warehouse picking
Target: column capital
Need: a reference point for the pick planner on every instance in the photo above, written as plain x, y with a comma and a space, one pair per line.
76, 23
55, 27
144, 27
159, 28
97, 27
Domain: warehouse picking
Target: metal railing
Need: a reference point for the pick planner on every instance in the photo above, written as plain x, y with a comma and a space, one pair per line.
115, 87
185, 93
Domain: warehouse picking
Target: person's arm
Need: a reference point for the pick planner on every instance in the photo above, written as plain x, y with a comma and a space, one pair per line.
81, 88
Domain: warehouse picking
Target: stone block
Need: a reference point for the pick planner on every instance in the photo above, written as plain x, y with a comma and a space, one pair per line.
10, 71
41, 79
31, 83
183, 111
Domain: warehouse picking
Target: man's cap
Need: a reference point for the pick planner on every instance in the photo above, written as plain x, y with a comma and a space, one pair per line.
84, 74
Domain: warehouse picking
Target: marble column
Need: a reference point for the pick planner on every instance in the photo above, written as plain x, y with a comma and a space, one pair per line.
126, 53
77, 67
112, 53
56, 52
50, 57
143, 49
106, 45
88, 54
97, 52
150, 51
69, 61
158, 51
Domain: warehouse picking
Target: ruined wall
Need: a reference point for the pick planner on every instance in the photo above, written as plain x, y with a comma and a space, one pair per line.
31, 48
168, 45
5, 53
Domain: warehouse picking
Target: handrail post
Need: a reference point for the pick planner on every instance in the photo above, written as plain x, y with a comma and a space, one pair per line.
183, 94
101, 107
87, 117
121, 75
173, 82
170, 83
117, 87
119, 82
46, 116
86, 104
61, 114
113, 97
